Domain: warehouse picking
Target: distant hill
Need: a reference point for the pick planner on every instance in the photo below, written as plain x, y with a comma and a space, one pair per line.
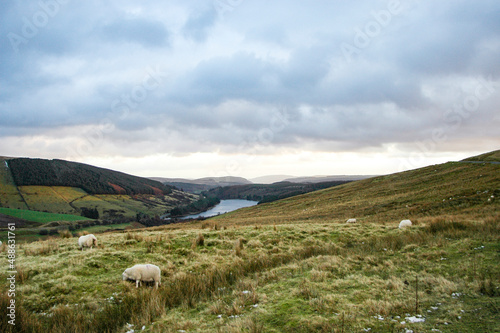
270, 179
453, 190
268, 192
202, 184
321, 179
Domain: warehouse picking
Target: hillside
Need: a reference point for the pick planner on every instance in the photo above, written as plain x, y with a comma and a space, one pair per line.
202, 184
93, 180
493, 156
322, 179
268, 192
63, 187
467, 191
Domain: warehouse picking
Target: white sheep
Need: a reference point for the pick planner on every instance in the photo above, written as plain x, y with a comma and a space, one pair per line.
404, 224
139, 273
87, 241
351, 221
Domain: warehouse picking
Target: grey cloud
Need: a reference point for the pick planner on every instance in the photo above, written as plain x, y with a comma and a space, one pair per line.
227, 76
137, 30
199, 23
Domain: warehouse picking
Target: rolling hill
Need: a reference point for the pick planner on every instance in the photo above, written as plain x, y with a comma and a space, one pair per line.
268, 192
202, 184
467, 191
64, 187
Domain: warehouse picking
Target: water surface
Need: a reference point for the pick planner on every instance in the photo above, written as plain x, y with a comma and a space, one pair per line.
225, 206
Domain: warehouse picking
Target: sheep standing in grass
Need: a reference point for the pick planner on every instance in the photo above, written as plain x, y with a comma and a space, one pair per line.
146, 273
351, 221
87, 241
404, 224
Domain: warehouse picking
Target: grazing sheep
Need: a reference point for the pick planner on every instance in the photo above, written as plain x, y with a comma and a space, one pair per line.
87, 241
404, 224
145, 273
351, 221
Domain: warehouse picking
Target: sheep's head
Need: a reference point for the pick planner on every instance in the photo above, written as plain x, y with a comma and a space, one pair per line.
94, 241
124, 275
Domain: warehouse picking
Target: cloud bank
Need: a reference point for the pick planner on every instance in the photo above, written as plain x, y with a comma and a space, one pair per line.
249, 81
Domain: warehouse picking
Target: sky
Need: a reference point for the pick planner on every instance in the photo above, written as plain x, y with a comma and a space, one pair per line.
205, 88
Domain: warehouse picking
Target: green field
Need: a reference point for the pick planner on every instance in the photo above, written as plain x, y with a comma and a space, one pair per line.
9, 195
40, 217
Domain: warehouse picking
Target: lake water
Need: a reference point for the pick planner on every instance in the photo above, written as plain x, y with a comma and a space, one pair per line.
225, 206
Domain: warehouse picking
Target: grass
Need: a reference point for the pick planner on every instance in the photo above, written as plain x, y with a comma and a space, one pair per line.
45, 199
9, 194
493, 156
299, 277
40, 217
468, 191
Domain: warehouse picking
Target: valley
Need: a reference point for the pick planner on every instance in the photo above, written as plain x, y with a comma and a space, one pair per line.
291, 265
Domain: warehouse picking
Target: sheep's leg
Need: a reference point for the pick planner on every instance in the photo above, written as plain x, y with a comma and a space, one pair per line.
137, 282
156, 284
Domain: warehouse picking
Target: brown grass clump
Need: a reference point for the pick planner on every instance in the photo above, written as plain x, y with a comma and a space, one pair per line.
199, 241
41, 248
65, 233
238, 247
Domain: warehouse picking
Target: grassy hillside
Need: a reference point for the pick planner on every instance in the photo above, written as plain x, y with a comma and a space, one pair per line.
287, 266
493, 156
465, 191
93, 180
299, 277
57, 186
40, 217
9, 194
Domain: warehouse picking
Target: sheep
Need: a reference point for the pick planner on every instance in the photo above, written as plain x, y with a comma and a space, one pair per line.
404, 224
145, 273
351, 221
87, 241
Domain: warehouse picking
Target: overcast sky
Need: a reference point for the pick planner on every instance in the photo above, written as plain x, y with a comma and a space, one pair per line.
185, 88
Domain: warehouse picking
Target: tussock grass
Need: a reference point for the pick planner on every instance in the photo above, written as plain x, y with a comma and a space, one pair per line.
297, 277
65, 233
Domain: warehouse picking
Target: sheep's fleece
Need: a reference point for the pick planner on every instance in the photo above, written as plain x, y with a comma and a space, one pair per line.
404, 224
87, 241
140, 273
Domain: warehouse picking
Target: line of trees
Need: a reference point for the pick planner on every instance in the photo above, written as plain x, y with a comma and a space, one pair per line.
195, 207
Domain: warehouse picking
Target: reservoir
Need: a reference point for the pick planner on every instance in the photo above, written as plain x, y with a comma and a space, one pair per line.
225, 206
